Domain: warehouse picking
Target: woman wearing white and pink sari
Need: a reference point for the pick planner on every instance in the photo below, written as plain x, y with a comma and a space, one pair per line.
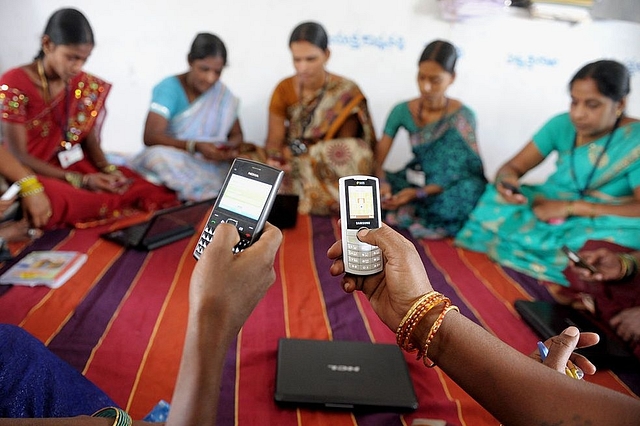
192, 131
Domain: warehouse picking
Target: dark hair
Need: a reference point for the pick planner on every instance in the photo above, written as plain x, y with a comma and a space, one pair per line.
611, 77
442, 52
67, 27
206, 45
311, 32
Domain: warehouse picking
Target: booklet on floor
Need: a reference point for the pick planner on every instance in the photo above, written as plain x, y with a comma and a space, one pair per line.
49, 268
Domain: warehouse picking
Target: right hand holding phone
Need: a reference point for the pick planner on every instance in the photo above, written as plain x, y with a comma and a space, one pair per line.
510, 191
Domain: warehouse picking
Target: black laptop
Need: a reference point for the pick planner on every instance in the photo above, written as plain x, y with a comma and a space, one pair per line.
332, 374
548, 319
164, 227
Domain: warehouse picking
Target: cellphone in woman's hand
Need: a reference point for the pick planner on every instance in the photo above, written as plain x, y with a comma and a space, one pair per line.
514, 189
578, 260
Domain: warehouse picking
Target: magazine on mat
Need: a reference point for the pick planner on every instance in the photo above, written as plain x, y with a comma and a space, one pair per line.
49, 268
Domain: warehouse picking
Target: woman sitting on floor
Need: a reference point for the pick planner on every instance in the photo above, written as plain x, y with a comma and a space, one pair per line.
434, 193
52, 112
593, 194
192, 129
36, 208
319, 125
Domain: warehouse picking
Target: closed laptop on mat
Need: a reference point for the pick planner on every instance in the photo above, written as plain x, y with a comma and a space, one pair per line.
164, 227
548, 319
334, 374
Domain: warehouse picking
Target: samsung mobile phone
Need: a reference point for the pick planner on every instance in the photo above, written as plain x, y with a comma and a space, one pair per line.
359, 208
245, 201
13, 190
579, 261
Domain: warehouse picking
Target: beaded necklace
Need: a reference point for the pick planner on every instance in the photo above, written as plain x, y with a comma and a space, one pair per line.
582, 191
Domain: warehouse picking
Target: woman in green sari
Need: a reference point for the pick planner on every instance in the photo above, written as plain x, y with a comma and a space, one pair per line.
594, 194
434, 193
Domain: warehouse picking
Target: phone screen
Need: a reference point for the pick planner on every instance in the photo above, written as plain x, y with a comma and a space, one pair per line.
245, 196
245, 200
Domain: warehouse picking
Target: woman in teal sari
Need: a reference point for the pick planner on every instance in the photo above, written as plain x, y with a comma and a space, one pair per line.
192, 130
594, 194
434, 193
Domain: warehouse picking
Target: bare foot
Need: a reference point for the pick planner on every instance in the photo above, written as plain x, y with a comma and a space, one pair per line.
18, 231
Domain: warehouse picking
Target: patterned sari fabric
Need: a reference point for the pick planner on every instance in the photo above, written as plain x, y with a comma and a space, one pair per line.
446, 152
208, 119
512, 235
81, 111
315, 174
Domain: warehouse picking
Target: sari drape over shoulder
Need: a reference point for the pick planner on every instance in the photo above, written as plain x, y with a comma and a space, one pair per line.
512, 234
208, 119
80, 110
315, 173
446, 152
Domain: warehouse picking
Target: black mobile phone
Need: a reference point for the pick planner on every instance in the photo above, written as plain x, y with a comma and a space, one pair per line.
245, 200
359, 208
578, 260
514, 189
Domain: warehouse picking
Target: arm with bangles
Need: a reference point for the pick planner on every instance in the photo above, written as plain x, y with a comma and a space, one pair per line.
155, 133
516, 389
35, 203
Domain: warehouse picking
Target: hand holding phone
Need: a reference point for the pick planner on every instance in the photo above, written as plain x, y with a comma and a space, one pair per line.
514, 189
359, 208
578, 260
245, 200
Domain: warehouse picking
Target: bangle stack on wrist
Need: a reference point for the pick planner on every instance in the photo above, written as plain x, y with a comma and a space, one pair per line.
405, 332
120, 417
569, 209
629, 265
29, 185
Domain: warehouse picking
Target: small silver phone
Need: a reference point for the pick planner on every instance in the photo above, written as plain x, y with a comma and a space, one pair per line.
359, 208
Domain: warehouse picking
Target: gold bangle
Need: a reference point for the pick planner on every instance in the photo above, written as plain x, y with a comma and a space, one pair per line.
569, 209
422, 354
109, 168
74, 179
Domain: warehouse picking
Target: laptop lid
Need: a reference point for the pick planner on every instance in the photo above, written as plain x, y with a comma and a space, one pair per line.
549, 319
164, 227
343, 375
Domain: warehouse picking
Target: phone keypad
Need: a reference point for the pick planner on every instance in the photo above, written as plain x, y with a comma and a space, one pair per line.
362, 257
205, 239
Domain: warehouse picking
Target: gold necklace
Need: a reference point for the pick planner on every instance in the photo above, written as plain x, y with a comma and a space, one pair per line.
44, 81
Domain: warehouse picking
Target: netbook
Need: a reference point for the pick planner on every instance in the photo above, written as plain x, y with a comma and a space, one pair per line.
332, 374
548, 319
164, 227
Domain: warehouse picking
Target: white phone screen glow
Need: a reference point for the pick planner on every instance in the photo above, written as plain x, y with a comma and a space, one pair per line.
245, 196
361, 205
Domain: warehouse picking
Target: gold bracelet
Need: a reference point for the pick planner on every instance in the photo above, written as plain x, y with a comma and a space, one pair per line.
109, 168
628, 264
120, 417
422, 354
417, 312
74, 179
569, 209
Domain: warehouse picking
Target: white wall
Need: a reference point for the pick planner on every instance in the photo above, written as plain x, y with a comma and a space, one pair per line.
513, 70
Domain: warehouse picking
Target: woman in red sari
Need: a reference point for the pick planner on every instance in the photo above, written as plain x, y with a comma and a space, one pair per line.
52, 113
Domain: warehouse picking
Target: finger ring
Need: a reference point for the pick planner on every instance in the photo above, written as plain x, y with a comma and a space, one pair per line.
32, 232
49, 213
